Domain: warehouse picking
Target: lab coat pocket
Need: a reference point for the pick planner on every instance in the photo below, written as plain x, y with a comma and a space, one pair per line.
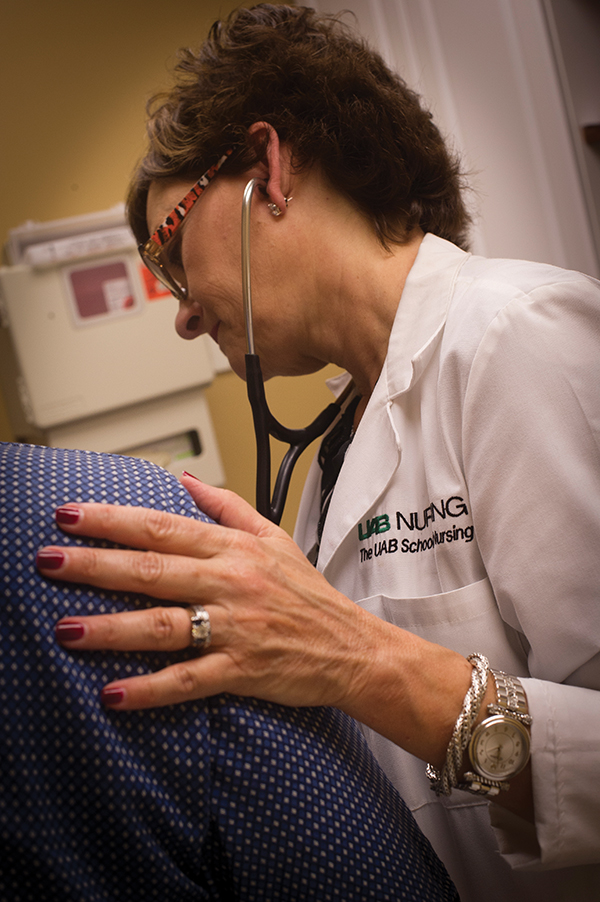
466, 620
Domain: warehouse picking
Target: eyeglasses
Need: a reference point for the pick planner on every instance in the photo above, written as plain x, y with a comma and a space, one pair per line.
154, 251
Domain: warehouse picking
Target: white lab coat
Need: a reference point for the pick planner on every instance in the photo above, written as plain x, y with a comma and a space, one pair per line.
468, 511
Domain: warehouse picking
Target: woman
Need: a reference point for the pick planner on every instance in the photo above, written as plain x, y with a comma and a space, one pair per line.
441, 536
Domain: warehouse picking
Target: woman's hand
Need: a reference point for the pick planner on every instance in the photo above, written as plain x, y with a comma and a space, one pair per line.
279, 630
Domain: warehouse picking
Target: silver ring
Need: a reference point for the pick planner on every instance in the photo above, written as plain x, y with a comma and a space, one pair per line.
200, 626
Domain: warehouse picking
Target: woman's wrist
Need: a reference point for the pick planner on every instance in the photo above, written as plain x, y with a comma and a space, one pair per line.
412, 691
407, 689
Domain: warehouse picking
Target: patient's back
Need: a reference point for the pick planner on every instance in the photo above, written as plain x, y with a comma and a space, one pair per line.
220, 799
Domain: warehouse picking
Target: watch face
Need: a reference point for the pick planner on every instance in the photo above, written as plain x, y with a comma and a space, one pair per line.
499, 747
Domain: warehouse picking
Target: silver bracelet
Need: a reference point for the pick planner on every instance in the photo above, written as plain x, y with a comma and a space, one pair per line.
444, 781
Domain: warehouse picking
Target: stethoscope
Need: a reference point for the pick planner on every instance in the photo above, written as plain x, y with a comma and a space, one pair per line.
265, 424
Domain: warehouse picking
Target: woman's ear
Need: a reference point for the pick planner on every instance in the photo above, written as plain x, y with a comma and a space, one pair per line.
276, 162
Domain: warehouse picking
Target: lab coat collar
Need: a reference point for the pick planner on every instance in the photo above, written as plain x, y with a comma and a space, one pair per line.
422, 312
418, 325
420, 317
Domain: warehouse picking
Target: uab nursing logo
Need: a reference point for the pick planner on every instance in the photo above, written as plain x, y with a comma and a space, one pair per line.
415, 523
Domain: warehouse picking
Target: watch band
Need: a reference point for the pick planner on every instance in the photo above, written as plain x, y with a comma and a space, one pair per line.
481, 786
511, 697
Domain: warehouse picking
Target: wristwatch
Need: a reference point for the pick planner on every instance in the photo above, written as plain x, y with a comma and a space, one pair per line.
500, 745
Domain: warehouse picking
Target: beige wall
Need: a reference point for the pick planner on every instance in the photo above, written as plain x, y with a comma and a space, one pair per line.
76, 76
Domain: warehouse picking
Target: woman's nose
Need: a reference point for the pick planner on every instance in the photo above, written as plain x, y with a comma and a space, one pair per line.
189, 322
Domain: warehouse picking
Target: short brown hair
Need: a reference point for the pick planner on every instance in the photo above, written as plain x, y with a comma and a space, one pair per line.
329, 96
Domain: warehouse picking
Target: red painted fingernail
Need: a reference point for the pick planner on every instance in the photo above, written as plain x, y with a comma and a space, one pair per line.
67, 516
69, 632
50, 560
111, 697
191, 475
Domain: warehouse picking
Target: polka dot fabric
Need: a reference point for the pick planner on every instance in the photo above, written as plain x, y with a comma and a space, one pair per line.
220, 799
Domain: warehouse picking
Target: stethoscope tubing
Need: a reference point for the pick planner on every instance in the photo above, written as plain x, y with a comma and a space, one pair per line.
265, 424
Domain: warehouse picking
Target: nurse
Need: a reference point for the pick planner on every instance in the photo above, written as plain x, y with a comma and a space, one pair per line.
453, 513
